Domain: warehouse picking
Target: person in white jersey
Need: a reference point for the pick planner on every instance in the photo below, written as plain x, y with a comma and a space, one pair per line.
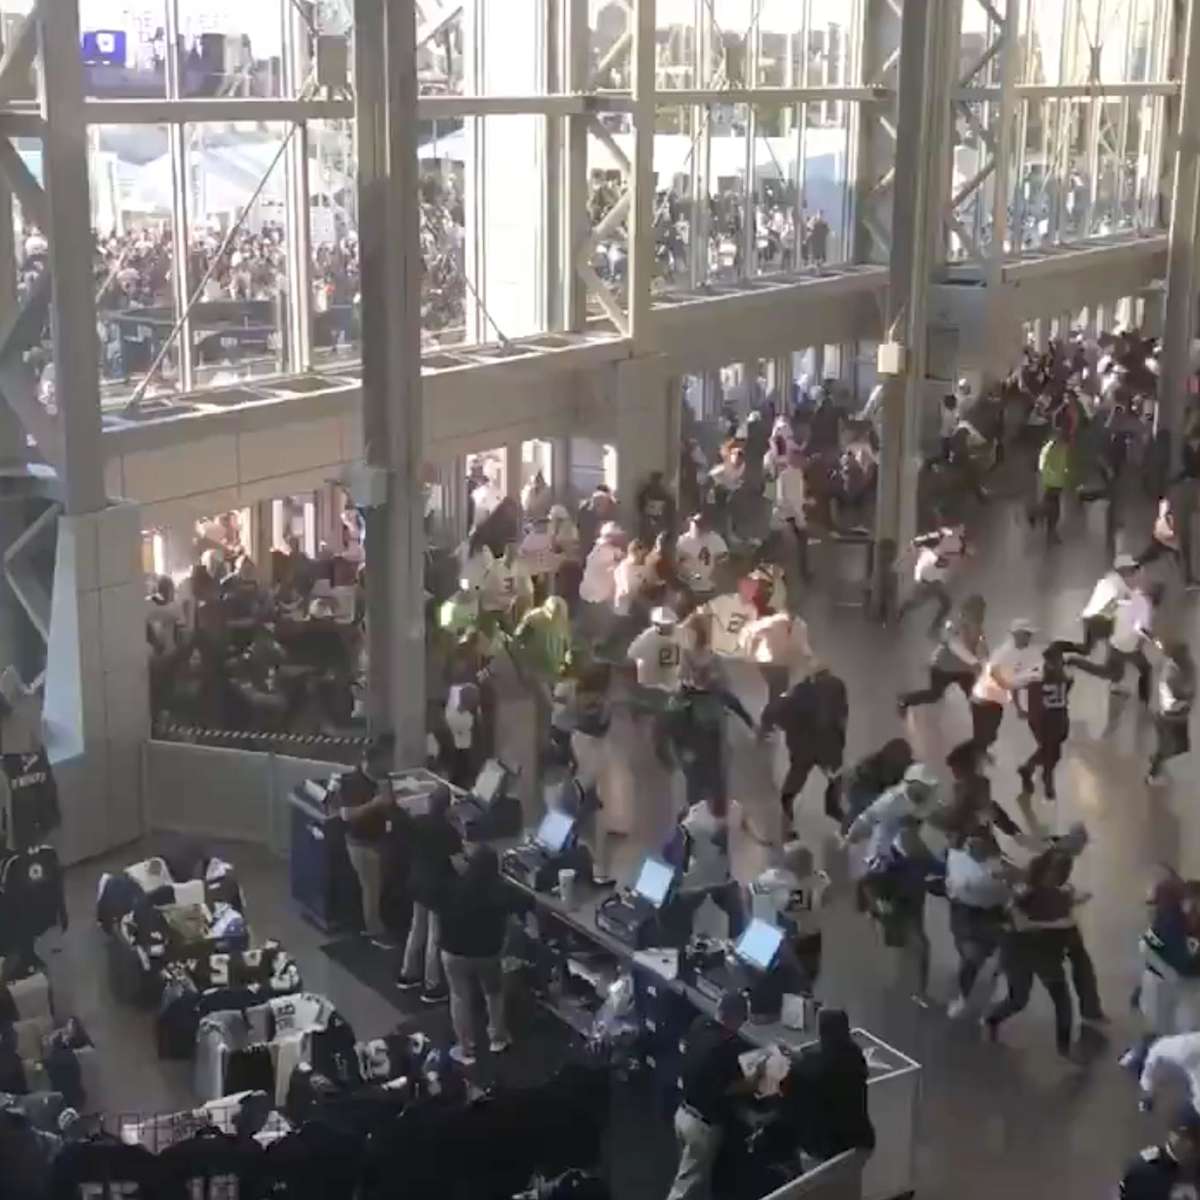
936, 552
699, 552
791, 505
657, 654
1013, 665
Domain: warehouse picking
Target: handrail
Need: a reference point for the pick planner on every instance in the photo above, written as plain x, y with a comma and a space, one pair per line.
837, 1178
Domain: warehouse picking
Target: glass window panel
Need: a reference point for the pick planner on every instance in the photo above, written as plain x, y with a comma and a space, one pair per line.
675, 153
443, 239
489, 48
333, 242
610, 30
231, 48
124, 48
727, 183
237, 251
130, 176
607, 188
507, 206
825, 184
440, 64
776, 190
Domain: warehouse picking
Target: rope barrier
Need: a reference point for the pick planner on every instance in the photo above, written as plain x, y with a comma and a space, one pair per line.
199, 732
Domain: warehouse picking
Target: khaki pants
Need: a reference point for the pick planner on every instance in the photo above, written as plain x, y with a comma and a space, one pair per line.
698, 1145
369, 868
465, 977
422, 951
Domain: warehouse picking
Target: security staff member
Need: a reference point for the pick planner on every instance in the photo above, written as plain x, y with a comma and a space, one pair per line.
712, 1079
1171, 1170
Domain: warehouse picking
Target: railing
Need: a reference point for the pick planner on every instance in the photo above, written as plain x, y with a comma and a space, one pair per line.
838, 1178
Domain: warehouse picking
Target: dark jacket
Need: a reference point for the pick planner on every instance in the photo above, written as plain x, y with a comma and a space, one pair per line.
432, 843
474, 913
814, 713
826, 1094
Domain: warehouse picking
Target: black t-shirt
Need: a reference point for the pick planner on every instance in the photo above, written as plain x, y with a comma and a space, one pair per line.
314, 1163
104, 1170
212, 1166
34, 797
33, 894
710, 1069
1155, 1175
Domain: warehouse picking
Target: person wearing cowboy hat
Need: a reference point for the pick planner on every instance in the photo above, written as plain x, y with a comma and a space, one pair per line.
1013, 665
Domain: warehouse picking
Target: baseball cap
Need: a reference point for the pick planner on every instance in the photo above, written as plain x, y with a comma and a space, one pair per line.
1124, 562
920, 773
663, 616
1023, 625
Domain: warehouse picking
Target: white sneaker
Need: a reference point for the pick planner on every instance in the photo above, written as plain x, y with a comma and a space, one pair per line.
1129, 1060
956, 1008
499, 1045
461, 1057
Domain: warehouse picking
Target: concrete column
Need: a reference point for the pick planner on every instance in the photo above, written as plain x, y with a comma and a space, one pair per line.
560, 469
96, 709
1179, 317
648, 427
97, 713
386, 103
513, 467
923, 111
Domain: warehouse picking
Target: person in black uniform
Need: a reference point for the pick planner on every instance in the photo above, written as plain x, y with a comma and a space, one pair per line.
712, 1079
1049, 717
364, 805
1170, 1170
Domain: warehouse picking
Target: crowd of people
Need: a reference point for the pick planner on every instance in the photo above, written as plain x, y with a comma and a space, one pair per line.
785, 239
648, 604
233, 651
666, 604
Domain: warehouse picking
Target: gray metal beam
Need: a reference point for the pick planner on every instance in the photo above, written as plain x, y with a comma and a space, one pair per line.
641, 224
1179, 322
69, 226
386, 106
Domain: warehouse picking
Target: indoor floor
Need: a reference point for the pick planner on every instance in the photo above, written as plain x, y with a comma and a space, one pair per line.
997, 1120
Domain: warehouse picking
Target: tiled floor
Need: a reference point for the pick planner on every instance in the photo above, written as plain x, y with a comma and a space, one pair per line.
997, 1120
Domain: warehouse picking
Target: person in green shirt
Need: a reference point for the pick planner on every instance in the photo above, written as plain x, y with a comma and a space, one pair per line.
1054, 472
543, 640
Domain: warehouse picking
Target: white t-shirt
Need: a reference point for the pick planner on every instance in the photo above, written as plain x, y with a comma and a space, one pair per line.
727, 476
697, 554
1134, 613
599, 584
776, 638
460, 722
778, 892
1106, 595
474, 568
933, 561
537, 552
790, 495
657, 655
486, 498
504, 583
730, 617
1018, 667
299, 1014
629, 579
709, 862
